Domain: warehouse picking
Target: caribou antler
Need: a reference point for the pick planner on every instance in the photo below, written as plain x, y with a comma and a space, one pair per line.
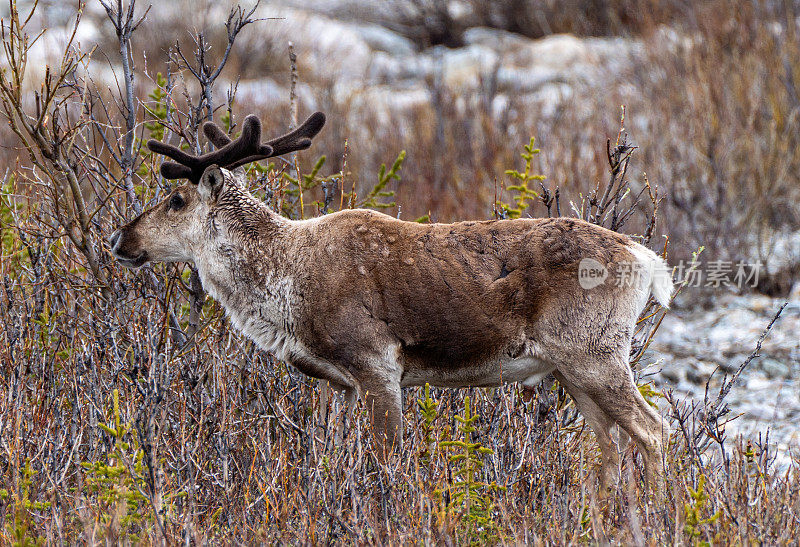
231, 154
299, 139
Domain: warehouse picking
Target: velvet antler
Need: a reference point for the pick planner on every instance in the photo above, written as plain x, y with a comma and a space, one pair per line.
231, 154
299, 139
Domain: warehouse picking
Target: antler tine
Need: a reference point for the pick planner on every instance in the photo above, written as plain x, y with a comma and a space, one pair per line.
192, 167
172, 171
299, 139
215, 134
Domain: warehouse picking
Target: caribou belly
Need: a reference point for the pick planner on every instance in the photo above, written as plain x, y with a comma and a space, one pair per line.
526, 369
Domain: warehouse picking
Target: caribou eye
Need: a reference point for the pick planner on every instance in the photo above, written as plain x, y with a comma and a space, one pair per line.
176, 202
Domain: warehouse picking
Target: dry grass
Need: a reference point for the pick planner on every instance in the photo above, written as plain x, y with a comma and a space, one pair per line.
214, 441
229, 449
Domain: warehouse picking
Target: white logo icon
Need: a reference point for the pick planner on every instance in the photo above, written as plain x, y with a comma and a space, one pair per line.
591, 273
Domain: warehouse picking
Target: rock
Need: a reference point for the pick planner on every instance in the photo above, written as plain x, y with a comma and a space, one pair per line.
269, 91
382, 39
500, 40
785, 251
556, 51
349, 10
385, 103
774, 368
463, 67
673, 375
395, 13
387, 69
730, 366
700, 373
761, 413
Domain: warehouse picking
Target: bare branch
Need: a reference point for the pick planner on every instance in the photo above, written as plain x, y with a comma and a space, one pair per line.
124, 25
719, 408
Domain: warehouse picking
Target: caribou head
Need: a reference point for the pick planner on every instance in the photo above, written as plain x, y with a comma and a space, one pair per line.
172, 230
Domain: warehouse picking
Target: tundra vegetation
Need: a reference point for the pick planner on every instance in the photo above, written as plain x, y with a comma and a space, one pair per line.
130, 410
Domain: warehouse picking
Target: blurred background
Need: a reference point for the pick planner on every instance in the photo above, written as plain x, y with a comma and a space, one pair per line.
708, 92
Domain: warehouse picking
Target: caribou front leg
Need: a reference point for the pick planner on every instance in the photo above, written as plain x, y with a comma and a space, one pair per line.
385, 406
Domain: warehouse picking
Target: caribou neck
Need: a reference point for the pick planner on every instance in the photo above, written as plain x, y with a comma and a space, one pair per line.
246, 268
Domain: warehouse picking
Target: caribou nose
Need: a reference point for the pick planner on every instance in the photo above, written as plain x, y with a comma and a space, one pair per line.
114, 240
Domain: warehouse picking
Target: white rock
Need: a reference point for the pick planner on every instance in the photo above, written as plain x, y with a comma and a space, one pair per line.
500, 40
382, 39
463, 67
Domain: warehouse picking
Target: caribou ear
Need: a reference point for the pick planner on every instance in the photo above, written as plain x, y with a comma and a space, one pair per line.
211, 183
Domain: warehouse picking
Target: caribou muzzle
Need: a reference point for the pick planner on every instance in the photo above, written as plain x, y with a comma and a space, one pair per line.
124, 249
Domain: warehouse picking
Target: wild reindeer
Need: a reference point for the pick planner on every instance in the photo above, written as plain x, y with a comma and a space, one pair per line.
371, 303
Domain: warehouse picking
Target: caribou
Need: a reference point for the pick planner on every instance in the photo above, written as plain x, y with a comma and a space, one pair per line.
372, 304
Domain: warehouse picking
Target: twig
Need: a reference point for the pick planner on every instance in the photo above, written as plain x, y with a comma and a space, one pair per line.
125, 26
718, 408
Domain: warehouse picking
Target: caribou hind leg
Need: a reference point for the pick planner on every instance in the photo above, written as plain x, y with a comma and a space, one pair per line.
608, 383
601, 424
